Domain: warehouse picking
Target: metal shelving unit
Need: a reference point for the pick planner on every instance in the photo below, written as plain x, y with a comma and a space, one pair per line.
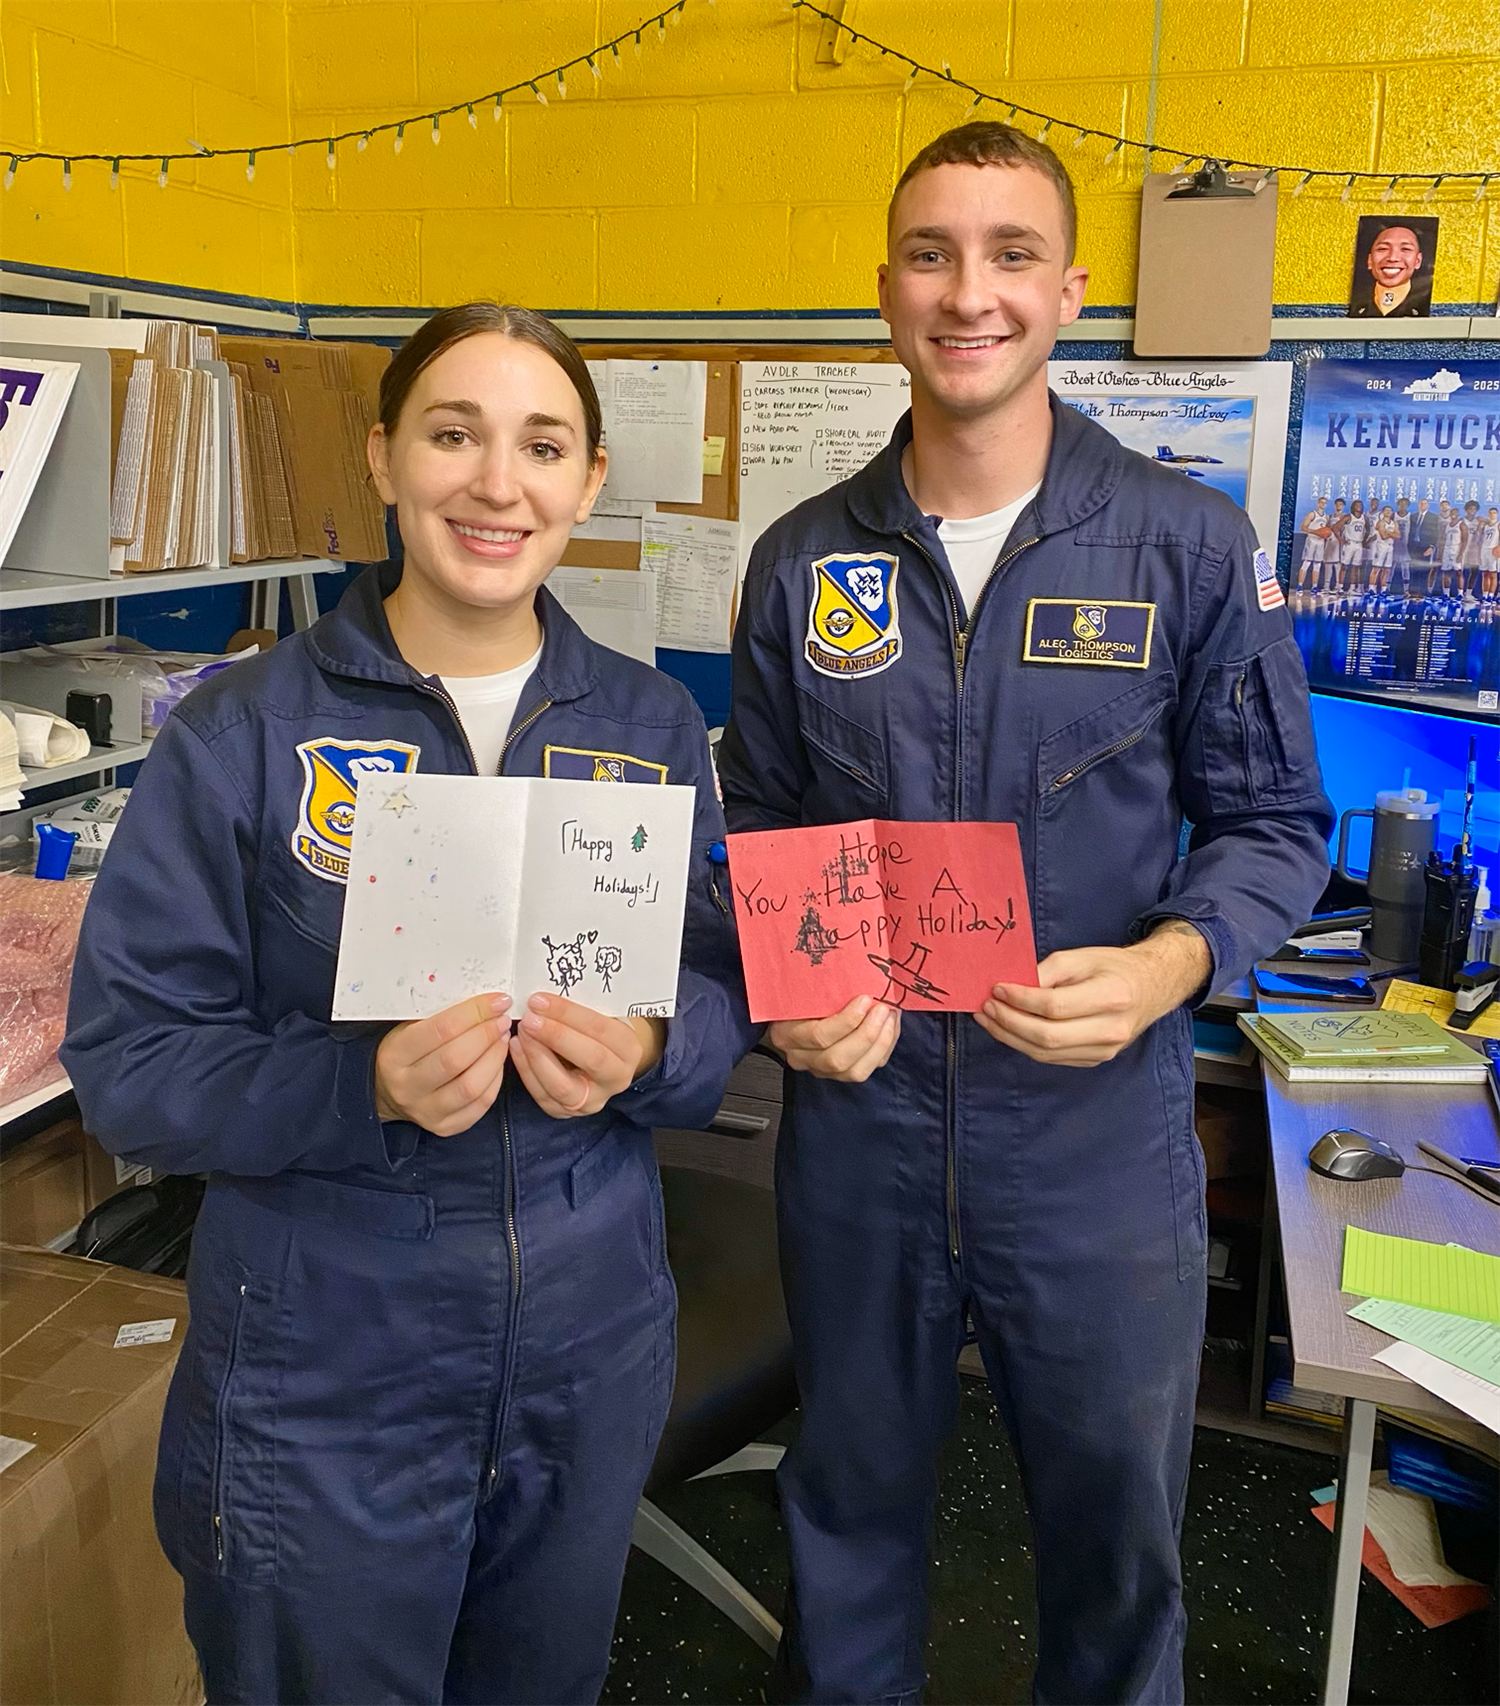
22, 589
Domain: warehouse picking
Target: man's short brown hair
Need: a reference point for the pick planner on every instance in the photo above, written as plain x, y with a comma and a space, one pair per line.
985, 143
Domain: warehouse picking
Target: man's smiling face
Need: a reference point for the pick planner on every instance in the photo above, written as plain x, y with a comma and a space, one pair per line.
978, 281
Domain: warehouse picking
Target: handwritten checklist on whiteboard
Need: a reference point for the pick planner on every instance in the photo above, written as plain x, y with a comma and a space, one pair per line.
459, 885
806, 425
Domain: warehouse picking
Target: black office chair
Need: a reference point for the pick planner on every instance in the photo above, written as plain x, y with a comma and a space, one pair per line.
734, 1371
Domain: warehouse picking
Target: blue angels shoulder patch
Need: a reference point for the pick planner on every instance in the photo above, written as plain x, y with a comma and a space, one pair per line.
331, 770
583, 764
853, 625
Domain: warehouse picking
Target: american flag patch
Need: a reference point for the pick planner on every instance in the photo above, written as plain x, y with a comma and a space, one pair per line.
1267, 587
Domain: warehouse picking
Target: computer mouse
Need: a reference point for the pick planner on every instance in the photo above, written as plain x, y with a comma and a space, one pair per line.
1344, 1153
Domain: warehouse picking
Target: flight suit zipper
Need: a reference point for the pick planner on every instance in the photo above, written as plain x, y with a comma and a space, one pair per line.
962, 632
221, 1422
1122, 745
512, 1236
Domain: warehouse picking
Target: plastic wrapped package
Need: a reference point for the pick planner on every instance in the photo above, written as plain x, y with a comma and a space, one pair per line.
38, 937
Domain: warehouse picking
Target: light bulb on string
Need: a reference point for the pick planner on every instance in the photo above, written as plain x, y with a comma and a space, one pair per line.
1388, 191
638, 44
562, 87
674, 17
10, 172
594, 67
1302, 183
363, 143
1432, 189
473, 122
972, 108
437, 134
539, 95
397, 145
114, 173
1117, 149
1348, 188
1081, 138
1481, 187
67, 174
1041, 135
250, 167
161, 176
947, 70
661, 28
332, 155
495, 114
1010, 117
614, 51
911, 78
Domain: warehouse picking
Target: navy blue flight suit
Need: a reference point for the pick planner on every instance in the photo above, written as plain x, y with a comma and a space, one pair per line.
424, 1377
1129, 664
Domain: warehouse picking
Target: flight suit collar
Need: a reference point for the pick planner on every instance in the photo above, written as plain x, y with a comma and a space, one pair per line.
1084, 467
354, 639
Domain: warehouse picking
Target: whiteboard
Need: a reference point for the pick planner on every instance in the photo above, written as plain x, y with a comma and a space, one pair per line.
806, 425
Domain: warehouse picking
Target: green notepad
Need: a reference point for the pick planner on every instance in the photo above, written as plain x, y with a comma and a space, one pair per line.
1432, 1276
1333, 1035
1471, 1345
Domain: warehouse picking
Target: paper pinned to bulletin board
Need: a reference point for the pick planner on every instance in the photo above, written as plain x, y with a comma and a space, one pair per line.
1220, 425
806, 425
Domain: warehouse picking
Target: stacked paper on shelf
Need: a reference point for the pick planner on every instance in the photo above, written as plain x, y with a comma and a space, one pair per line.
33, 397
12, 778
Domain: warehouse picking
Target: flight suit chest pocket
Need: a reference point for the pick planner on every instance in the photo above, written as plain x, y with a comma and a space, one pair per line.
1115, 731
849, 758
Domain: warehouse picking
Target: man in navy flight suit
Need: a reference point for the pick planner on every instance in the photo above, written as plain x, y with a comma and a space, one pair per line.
1021, 621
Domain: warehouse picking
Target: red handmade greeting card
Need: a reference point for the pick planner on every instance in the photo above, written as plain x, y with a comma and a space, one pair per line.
926, 916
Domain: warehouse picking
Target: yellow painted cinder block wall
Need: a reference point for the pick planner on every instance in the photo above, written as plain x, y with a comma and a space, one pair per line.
131, 76
723, 168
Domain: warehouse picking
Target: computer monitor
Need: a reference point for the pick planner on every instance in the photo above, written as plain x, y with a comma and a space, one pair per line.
1366, 747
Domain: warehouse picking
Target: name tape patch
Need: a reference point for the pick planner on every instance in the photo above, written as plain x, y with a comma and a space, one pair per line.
1268, 591
583, 764
1109, 634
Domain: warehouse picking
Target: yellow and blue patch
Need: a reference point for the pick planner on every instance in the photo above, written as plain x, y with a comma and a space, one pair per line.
1108, 633
853, 624
584, 764
331, 770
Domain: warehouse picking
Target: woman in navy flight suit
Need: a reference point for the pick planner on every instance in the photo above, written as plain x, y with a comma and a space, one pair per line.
431, 1338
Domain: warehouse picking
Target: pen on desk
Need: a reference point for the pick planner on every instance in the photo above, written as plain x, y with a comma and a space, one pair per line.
1475, 1175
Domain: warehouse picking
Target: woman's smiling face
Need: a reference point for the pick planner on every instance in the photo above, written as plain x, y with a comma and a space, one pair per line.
488, 469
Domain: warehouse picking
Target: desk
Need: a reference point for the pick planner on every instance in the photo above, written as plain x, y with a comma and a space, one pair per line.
1330, 1352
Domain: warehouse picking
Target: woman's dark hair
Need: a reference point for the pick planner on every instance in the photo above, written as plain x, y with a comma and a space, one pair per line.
453, 325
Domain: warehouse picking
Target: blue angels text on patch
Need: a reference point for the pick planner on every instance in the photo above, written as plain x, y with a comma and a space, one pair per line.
583, 764
331, 770
853, 626
1064, 630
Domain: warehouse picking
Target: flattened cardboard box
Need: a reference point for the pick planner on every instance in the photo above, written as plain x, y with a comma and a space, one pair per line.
90, 1609
327, 396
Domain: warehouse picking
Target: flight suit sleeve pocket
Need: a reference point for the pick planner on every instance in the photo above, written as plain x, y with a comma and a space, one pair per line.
851, 748
1255, 745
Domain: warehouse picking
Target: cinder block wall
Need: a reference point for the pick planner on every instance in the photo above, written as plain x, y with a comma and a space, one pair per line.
722, 169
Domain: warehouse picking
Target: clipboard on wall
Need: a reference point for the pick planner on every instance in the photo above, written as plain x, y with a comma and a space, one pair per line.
1207, 261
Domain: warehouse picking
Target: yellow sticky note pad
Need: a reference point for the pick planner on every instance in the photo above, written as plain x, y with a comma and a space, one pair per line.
1431, 1276
713, 456
1402, 997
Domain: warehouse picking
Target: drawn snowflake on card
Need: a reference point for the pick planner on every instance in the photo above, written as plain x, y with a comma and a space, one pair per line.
488, 906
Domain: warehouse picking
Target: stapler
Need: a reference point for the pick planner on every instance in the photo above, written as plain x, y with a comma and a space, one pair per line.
1474, 990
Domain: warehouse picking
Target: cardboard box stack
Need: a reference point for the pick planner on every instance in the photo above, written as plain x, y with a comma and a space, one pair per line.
90, 1609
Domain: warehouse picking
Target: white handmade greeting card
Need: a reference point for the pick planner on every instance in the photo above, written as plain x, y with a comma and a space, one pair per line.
463, 884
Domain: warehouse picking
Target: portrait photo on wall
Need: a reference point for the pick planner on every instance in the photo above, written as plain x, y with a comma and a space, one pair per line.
1393, 261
